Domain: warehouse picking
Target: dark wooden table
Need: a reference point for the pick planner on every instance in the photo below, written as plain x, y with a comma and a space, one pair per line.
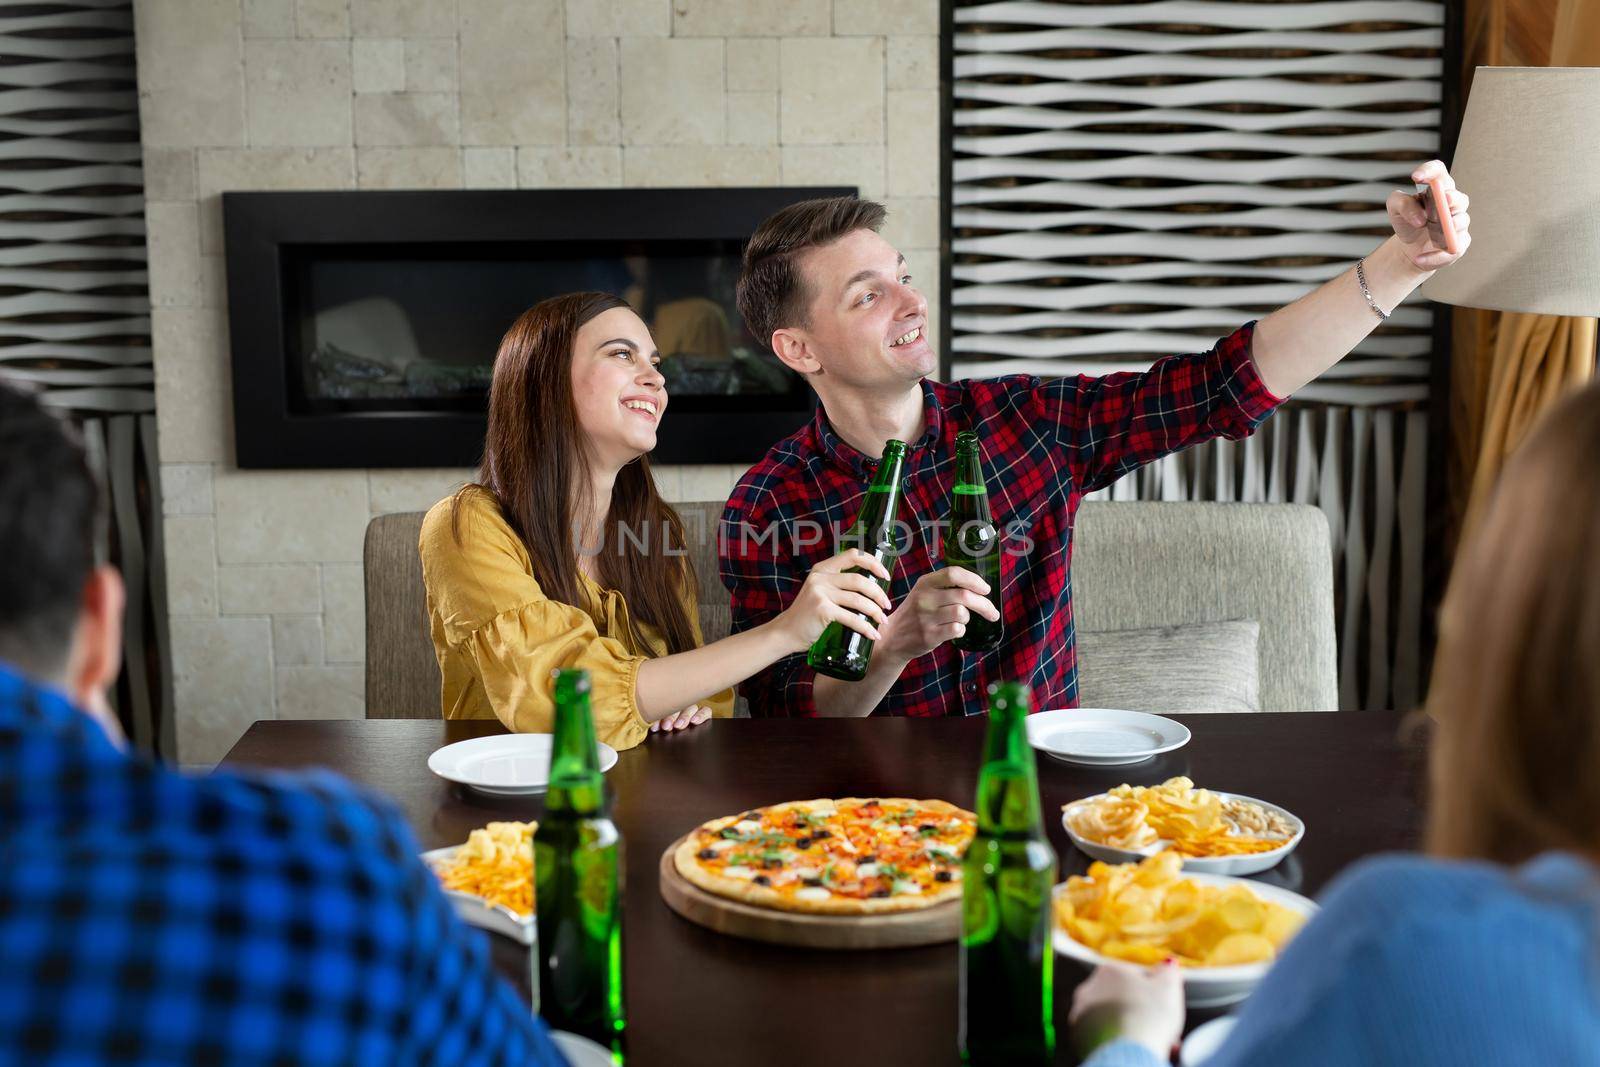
1352, 776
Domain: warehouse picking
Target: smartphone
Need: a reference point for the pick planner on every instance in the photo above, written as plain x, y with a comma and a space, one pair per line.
1441, 208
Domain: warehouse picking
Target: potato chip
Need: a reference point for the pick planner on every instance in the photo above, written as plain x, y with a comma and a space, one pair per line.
1240, 948
1133, 952
1146, 912
1281, 924
1240, 913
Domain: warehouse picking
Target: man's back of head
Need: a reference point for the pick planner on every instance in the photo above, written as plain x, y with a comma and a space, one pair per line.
60, 613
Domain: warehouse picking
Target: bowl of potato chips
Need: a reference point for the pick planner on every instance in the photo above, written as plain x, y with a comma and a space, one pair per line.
489, 880
1215, 833
1224, 932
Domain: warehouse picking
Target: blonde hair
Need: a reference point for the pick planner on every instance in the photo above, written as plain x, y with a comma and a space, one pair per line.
1515, 765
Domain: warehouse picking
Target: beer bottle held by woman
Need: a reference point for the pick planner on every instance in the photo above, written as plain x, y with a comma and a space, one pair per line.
840, 652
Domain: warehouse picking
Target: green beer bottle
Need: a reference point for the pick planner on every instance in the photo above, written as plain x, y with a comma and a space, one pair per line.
841, 652
577, 875
973, 542
1008, 873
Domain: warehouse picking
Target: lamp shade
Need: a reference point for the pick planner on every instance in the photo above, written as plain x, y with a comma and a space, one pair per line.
1529, 158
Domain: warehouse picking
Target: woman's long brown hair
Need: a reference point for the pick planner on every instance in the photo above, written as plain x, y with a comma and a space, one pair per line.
1516, 690
534, 465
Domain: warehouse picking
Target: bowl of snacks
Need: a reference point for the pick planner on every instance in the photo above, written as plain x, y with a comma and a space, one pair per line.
1224, 932
489, 880
1215, 833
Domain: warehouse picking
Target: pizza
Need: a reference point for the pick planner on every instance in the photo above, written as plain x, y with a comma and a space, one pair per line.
833, 857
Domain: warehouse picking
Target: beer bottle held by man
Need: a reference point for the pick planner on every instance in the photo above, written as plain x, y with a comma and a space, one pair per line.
973, 542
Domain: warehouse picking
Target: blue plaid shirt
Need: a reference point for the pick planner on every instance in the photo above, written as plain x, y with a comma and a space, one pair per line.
151, 918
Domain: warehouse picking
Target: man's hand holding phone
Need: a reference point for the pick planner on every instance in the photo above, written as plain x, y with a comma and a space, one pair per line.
1432, 223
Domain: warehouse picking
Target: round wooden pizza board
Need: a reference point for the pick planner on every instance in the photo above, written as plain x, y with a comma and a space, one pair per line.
929, 926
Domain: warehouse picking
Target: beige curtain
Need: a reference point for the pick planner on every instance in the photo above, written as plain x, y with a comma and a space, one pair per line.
1534, 361
1510, 367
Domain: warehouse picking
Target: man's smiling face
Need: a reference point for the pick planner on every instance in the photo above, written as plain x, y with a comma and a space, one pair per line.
866, 323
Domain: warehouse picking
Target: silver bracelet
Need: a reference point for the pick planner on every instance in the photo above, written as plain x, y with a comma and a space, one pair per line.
1361, 279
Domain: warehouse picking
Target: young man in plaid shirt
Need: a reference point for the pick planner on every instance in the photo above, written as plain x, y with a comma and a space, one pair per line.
833, 299
148, 919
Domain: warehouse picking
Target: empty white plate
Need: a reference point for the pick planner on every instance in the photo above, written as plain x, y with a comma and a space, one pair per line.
1204, 1040
580, 1051
1104, 737
505, 765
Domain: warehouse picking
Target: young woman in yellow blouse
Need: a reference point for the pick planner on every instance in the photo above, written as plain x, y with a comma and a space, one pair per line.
573, 410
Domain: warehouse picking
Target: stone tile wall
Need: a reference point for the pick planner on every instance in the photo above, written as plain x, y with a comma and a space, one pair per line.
265, 575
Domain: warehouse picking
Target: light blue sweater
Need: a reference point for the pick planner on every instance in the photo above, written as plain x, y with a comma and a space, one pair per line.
1415, 962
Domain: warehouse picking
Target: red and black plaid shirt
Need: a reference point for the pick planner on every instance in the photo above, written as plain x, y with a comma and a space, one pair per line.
1045, 444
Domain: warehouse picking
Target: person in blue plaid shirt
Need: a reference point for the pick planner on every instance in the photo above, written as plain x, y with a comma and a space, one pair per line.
148, 918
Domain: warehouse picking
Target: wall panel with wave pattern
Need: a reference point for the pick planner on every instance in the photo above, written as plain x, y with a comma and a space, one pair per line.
1130, 180
74, 303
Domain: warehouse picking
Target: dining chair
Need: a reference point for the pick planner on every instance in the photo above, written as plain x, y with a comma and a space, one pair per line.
1195, 576
700, 518
403, 679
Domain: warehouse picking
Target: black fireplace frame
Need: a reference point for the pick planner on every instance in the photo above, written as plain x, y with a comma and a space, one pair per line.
268, 433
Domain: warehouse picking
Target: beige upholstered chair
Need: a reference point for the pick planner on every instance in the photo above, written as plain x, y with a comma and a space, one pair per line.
700, 518
1140, 565
402, 671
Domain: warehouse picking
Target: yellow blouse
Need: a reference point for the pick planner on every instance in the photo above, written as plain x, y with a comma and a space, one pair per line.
498, 637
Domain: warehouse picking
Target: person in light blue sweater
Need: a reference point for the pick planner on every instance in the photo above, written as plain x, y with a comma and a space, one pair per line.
1487, 949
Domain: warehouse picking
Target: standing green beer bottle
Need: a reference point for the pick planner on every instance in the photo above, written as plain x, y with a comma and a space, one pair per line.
841, 652
1007, 876
577, 877
973, 542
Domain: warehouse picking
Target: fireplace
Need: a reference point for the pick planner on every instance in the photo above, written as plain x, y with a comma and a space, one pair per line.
364, 325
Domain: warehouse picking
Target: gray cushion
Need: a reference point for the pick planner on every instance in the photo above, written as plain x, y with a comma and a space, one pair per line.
1202, 666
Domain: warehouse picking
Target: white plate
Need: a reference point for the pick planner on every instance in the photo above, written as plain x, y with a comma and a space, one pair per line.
1204, 987
1204, 1041
475, 911
504, 765
1104, 737
580, 1051
1253, 863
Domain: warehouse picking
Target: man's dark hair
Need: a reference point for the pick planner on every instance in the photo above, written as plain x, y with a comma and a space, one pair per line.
771, 293
50, 518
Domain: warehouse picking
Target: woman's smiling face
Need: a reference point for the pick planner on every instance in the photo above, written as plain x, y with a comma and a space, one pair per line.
617, 387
